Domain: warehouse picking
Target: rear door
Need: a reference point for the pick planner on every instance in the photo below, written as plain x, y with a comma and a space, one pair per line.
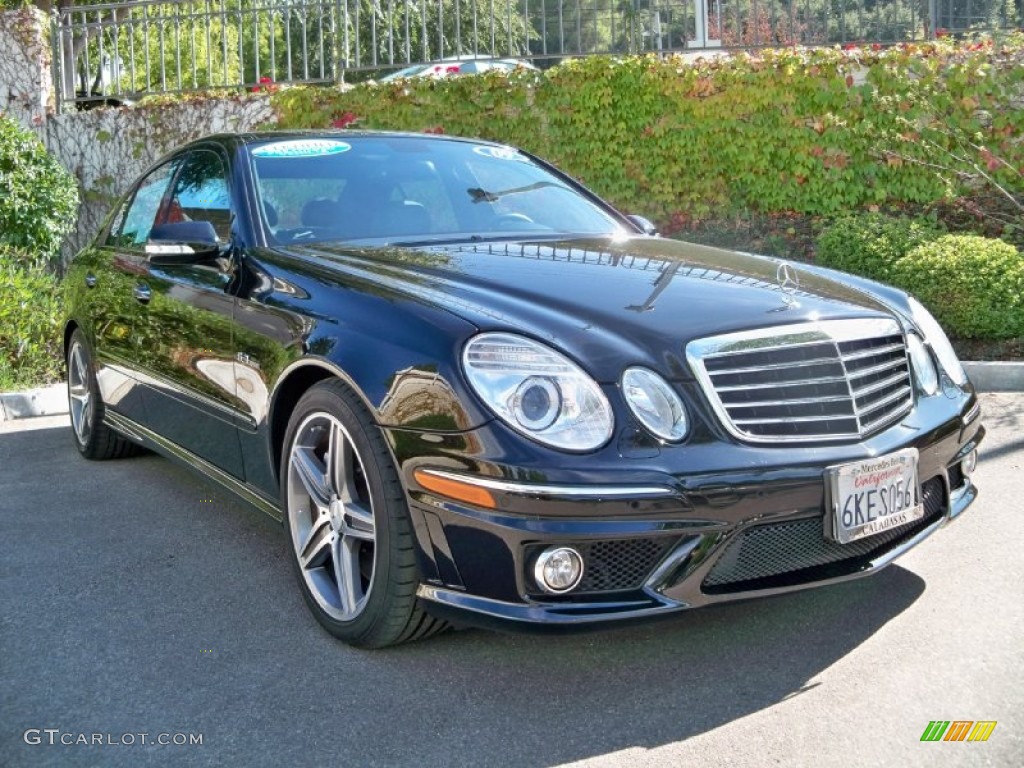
106, 279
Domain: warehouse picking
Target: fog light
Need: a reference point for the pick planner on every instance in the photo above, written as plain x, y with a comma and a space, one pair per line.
558, 569
970, 463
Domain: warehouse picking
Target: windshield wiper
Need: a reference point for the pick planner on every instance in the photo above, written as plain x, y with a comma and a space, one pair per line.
479, 195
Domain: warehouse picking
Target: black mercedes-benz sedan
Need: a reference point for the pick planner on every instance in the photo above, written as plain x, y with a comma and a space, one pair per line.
474, 391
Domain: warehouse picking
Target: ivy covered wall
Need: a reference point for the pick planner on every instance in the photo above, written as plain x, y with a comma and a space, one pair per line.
817, 132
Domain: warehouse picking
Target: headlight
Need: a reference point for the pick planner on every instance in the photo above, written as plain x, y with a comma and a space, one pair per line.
940, 345
654, 403
924, 368
538, 391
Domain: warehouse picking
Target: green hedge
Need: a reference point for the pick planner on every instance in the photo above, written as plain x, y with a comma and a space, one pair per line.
817, 132
973, 285
30, 322
38, 197
870, 244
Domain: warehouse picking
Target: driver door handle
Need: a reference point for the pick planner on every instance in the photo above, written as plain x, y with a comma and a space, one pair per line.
143, 293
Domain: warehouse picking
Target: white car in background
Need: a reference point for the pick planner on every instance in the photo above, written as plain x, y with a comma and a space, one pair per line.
458, 65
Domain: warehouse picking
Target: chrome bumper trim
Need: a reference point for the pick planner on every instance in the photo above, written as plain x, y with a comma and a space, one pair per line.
575, 491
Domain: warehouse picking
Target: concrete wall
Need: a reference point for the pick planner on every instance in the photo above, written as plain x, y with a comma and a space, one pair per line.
106, 148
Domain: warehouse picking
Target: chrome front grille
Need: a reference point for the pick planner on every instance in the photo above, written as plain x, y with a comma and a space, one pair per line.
833, 380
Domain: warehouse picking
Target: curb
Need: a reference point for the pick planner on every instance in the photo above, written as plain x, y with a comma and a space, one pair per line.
53, 401
44, 401
996, 377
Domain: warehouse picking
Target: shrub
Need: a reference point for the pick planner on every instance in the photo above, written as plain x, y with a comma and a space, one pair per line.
973, 285
870, 244
38, 197
30, 314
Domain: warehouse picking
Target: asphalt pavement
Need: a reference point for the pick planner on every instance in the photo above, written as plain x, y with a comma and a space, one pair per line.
136, 598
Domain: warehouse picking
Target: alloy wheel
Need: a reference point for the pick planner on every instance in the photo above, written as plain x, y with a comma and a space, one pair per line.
331, 515
79, 393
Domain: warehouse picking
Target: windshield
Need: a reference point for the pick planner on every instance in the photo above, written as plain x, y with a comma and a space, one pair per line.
406, 190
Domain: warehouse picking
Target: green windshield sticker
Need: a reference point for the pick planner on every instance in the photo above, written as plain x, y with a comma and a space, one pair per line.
500, 153
302, 148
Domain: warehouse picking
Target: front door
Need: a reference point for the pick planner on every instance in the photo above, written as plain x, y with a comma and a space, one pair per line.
186, 325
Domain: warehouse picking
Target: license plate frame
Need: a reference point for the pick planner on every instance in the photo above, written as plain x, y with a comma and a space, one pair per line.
889, 491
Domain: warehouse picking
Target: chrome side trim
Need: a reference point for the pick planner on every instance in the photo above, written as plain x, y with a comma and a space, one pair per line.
176, 452
531, 489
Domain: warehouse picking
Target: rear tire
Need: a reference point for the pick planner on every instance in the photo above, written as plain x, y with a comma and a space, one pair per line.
347, 523
93, 438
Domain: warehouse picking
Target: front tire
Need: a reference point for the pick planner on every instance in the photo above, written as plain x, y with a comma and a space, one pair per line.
93, 438
347, 523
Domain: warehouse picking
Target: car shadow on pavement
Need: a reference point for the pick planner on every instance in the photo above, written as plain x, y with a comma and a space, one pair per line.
138, 597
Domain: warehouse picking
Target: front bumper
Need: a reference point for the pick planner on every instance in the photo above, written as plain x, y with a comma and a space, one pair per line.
665, 541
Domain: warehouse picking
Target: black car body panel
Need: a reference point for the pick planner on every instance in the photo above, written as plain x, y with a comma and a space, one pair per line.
205, 362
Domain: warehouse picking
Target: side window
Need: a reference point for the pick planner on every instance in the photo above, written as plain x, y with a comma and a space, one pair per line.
201, 193
132, 228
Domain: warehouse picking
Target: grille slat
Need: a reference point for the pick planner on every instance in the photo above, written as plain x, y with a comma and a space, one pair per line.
888, 365
797, 419
781, 385
872, 352
873, 406
833, 380
867, 390
777, 366
794, 401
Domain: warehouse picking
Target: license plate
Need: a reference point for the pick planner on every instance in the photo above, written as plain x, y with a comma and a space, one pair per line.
874, 495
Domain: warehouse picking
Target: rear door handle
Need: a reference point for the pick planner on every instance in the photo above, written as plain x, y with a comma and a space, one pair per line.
90, 280
143, 292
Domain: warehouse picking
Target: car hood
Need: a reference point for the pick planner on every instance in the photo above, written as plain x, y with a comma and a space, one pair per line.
606, 302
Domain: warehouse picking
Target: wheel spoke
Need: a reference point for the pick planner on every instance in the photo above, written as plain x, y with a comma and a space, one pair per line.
339, 462
80, 367
317, 545
86, 413
312, 475
346, 573
359, 524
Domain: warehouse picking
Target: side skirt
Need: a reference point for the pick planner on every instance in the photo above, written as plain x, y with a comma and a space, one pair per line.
175, 452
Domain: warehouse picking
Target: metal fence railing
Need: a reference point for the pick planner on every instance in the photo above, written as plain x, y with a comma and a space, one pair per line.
122, 49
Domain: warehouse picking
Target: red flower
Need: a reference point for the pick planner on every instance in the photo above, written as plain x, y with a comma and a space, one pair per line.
941, 32
876, 47
266, 84
345, 120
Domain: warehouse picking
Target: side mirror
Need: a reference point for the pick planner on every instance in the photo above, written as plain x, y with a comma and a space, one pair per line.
183, 242
645, 225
